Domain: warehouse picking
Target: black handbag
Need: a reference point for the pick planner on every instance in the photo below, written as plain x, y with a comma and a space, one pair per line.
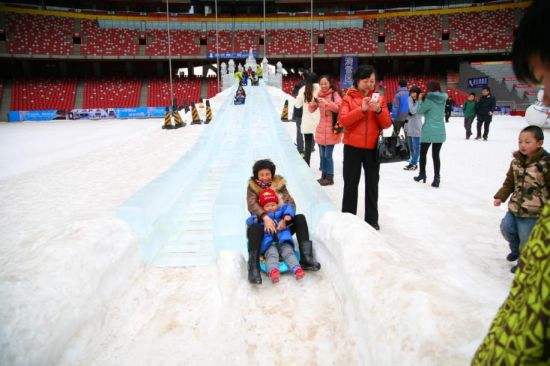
392, 149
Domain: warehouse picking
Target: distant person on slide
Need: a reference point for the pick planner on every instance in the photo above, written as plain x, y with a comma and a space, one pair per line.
520, 333
263, 177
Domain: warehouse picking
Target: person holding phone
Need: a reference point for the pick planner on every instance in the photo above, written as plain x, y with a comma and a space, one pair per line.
363, 114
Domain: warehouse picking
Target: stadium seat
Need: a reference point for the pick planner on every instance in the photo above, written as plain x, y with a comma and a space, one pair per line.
212, 87
413, 34
483, 30
108, 41
182, 42
35, 34
186, 91
42, 94
352, 40
111, 92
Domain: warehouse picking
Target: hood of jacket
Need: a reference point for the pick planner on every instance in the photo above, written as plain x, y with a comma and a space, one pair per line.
437, 97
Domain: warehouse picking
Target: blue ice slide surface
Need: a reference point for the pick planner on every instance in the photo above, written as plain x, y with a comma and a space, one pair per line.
198, 206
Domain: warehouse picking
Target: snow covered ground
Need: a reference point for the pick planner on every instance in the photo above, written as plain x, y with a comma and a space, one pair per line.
73, 289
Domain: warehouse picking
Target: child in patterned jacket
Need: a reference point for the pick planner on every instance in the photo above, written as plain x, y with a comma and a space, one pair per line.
528, 181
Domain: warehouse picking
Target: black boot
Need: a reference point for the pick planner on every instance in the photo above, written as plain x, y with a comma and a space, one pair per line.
420, 177
329, 180
435, 183
254, 275
307, 261
323, 177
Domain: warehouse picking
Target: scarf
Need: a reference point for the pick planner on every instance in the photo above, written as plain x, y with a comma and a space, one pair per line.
323, 94
262, 184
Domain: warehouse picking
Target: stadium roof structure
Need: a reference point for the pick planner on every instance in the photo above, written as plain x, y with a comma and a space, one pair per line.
250, 7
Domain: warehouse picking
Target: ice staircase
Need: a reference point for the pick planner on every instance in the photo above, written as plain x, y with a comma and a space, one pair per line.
198, 206
503, 73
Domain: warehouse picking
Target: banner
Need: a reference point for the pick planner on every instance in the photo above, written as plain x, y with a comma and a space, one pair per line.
45, 115
478, 82
242, 54
87, 114
348, 64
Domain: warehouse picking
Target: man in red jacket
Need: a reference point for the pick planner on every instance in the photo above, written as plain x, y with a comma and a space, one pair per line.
363, 118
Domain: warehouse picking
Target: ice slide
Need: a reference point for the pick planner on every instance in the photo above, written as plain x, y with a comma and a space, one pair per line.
198, 207
367, 305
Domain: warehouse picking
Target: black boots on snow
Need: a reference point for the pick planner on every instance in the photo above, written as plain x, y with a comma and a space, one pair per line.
254, 275
307, 261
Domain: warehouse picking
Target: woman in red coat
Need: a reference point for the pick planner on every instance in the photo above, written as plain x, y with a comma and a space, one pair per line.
363, 119
329, 101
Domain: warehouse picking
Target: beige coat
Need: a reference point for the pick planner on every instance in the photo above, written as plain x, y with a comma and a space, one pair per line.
310, 118
278, 185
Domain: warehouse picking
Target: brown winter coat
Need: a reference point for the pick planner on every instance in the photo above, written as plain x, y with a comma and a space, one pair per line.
278, 184
528, 181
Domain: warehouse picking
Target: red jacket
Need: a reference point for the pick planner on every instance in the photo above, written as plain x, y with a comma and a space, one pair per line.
361, 129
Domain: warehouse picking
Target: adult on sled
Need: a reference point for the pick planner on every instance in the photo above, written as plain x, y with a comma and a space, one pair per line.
263, 177
363, 114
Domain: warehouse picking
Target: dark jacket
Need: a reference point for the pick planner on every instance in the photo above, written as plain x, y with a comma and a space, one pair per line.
485, 105
449, 105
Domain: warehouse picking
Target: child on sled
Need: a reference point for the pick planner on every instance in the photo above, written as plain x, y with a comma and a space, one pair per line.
275, 244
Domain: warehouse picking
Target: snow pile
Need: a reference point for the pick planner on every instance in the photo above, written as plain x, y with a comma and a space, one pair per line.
73, 290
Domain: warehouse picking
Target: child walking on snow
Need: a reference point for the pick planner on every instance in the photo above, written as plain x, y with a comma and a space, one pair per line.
280, 242
528, 181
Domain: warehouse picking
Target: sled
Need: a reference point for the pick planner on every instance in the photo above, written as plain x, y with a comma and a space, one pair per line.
239, 100
282, 265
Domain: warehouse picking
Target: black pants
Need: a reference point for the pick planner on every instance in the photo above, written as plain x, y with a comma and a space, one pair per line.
447, 115
308, 146
436, 148
354, 159
468, 125
397, 126
298, 226
485, 121
299, 136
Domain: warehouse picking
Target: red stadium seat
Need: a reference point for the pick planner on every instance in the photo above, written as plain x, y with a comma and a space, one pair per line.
111, 93
35, 34
484, 30
459, 96
43, 94
182, 42
414, 34
212, 87
352, 40
108, 41
186, 91
290, 42
244, 40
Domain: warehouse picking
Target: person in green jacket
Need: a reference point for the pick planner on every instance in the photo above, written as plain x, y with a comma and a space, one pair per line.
433, 129
469, 114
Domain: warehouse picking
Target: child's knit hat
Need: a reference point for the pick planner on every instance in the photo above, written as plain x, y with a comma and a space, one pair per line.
266, 196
